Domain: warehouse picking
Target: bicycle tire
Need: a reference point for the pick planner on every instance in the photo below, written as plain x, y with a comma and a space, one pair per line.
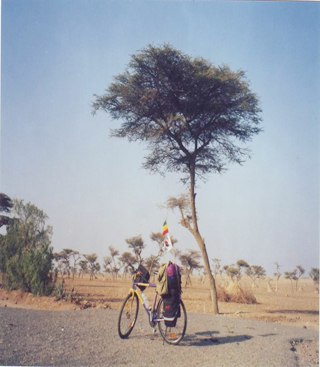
172, 335
128, 315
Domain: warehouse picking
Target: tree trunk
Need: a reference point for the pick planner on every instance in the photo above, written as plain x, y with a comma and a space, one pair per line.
201, 243
214, 295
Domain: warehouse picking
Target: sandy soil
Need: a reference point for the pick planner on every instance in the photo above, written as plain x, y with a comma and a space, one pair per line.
299, 308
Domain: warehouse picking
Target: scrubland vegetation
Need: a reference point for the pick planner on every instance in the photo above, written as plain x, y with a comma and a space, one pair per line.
28, 264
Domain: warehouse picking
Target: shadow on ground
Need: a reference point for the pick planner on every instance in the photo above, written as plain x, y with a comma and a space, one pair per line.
305, 312
207, 338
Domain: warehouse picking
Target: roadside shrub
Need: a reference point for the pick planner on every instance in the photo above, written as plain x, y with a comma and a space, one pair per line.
26, 255
59, 291
31, 271
238, 295
223, 296
37, 269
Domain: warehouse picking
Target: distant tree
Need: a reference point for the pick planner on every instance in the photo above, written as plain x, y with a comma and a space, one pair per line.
107, 264
59, 265
137, 245
216, 267
233, 272
314, 275
128, 261
152, 264
190, 262
292, 276
300, 272
277, 274
65, 260
83, 267
241, 264
115, 268
255, 272
190, 113
93, 265
68, 255
225, 268
158, 238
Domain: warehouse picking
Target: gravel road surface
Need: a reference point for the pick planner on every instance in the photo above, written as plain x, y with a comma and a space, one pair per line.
90, 338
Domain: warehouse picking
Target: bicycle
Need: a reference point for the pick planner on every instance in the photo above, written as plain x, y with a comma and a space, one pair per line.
130, 309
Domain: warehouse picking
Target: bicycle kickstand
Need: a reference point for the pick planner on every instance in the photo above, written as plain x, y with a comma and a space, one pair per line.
153, 333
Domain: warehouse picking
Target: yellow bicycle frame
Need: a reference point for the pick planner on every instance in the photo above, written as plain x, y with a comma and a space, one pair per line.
134, 291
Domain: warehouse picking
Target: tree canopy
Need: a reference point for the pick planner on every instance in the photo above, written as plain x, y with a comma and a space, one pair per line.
190, 112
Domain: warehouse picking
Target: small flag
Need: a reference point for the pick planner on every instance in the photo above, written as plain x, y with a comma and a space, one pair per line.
166, 238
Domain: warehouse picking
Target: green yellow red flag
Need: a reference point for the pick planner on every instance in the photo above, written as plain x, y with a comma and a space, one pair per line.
166, 237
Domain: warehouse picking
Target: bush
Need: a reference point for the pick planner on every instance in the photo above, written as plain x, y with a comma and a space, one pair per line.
30, 271
238, 295
26, 256
37, 269
223, 296
59, 291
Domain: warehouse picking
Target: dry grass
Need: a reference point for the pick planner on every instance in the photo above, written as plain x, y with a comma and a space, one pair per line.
286, 307
238, 295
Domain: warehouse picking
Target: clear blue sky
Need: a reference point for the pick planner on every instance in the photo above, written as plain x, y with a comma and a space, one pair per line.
57, 54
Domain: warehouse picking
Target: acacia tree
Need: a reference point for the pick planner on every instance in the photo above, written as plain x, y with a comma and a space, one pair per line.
137, 245
93, 265
83, 267
300, 272
189, 112
190, 262
277, 274
314, 275
216, 267
241, 264
107, 265
128, 261
67, 254
292, 276
115, 268
255, 272
152, 264
63, 258
233, 272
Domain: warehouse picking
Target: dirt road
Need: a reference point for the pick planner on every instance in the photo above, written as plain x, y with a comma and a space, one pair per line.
89, 338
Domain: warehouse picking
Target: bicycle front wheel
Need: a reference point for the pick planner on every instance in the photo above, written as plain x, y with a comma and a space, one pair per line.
128, 315
173, 334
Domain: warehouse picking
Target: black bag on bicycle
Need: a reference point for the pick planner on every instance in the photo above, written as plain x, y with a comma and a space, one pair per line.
142, 276
171, 309
171, 301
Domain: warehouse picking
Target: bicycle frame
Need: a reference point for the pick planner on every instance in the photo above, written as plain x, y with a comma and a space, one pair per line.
134, 290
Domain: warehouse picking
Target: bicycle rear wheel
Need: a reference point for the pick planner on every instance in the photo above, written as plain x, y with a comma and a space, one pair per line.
172, 335
128, 315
